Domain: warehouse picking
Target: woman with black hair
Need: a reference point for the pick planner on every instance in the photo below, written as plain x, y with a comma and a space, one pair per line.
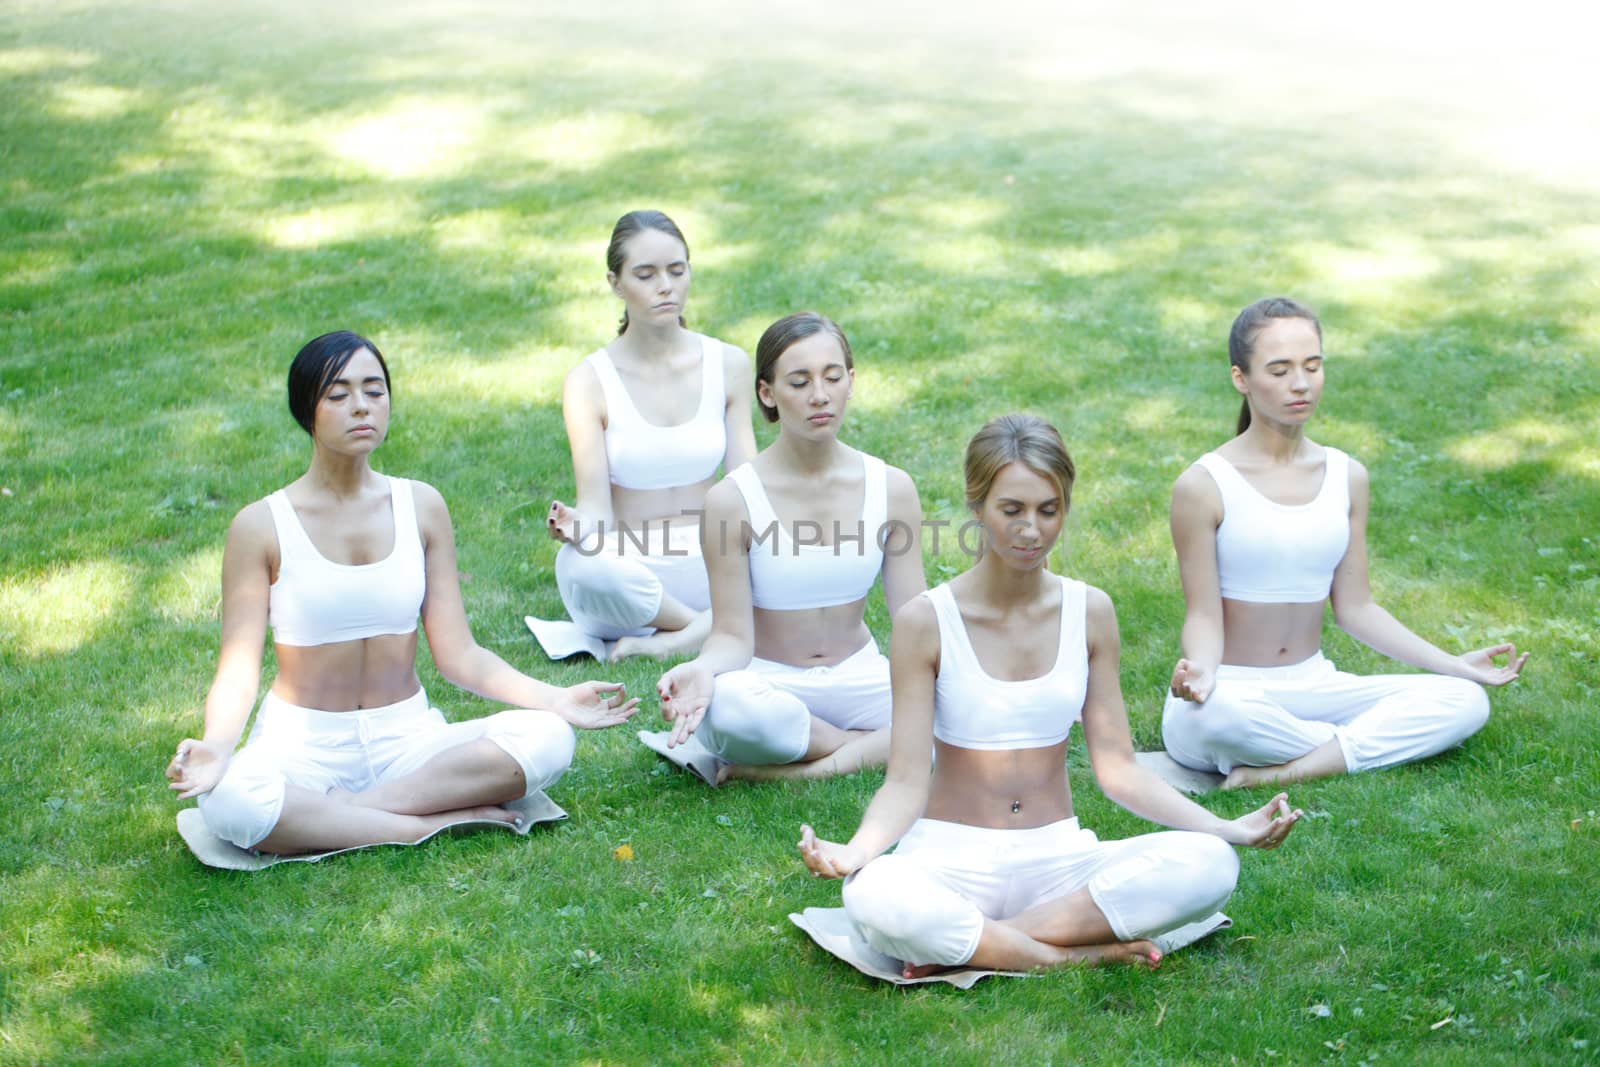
346, 750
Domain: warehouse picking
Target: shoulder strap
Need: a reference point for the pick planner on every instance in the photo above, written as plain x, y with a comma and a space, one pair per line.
617, 399
875, 498
1336, 476
405, 514
748, 483
293, 541
713, 393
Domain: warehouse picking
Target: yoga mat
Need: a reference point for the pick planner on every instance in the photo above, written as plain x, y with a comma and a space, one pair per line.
213, 851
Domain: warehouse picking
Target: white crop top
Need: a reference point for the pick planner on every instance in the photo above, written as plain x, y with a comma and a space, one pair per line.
642, 455
318, 602
786, 576
1271, 553
973, 710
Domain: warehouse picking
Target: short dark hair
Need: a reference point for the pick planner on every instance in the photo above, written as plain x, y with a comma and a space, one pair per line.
783, 335
317, 365
628, 225
1248, 326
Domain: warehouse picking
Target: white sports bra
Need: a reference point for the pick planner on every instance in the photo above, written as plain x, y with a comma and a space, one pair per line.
318, 602
785, 576
973, 710
642, 455
1271, 553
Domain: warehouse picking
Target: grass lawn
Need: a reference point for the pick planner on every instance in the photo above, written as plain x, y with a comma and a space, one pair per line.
1037, 207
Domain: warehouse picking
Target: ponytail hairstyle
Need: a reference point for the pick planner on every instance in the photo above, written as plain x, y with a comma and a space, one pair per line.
1248, 326
1025, 439
317, 365
632, 223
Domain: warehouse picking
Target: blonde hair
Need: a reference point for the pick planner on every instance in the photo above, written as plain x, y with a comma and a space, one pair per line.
1018, 438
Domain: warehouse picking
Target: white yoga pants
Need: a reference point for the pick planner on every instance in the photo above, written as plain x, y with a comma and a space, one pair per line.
762, 714
926, 902
1264, 716
356, 750
617, 590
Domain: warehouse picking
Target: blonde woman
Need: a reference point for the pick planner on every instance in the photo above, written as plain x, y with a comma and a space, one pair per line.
991, 670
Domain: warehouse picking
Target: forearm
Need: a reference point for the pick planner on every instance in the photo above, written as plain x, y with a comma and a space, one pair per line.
724, 652
477, 670
894, 808
228, 705
1374, 627
1144, 793
1202, 640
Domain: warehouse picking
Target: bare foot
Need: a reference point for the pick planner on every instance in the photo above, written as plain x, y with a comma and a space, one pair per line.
663, 644
1136, 953
1246, 777
826, 767
485, 813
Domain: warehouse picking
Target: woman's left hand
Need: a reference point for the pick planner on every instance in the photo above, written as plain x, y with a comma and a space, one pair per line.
596, 705
1266, 827
1480, 666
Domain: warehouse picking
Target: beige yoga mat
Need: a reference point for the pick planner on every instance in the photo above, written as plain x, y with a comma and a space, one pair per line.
213, 851
1175, 774
836, 934
692, 756
560, 638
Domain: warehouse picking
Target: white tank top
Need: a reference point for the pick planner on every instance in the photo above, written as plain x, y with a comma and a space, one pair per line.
642, 455
1271, 553
318, 602
973, 710
787, 576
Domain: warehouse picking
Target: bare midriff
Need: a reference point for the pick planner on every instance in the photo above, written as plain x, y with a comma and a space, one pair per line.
1270, 635
348, 675
1001, 789
642, 510
811, 637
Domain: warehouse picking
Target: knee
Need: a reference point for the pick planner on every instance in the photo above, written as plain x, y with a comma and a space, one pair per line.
245, 806
737, 704
876, 901
1215, 866
1471, 705
540, 742
602, 585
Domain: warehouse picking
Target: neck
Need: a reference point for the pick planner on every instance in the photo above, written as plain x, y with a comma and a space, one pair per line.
810, 457
650, 342
338, 475
1008, 587
1278, 442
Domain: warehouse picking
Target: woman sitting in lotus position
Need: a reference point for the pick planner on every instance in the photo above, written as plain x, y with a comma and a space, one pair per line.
991, 670
791, 682
346, 750
1269, 528
649, 419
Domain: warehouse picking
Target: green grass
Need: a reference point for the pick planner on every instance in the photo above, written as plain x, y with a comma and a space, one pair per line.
1017, 209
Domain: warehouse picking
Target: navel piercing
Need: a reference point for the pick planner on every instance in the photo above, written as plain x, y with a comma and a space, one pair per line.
1016, 806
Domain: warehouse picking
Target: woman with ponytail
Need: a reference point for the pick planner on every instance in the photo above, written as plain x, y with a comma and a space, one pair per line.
650, 417
1269, 528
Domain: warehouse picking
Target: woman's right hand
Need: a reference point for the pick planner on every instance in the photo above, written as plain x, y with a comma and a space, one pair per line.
561, 522
685, 693
1190, 681
828, 859
196, 768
